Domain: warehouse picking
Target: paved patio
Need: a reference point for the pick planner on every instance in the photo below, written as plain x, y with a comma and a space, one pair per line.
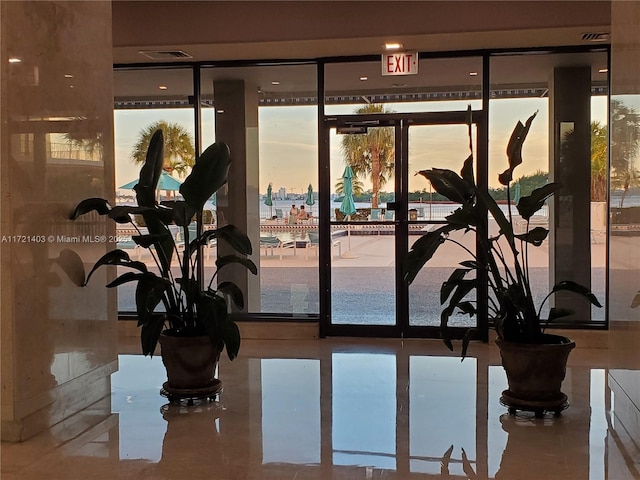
363, 286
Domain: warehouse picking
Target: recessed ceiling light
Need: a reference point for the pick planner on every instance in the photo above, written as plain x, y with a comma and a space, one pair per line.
14, 60
392, 45
473, 74
603, 70
220, 111
363, 79
275, 82
68, 75
162, 87
397, 85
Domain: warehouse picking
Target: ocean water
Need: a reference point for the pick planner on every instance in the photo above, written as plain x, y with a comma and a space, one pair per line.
435, 211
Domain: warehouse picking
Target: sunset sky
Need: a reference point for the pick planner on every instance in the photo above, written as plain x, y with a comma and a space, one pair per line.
288, 140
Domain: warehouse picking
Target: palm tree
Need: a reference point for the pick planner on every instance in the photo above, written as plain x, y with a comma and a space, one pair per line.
371, 153
179, 153
625, 144
598, 162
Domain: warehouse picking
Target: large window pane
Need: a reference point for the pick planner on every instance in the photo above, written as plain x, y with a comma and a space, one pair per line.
279, 120
145, 100
520, 86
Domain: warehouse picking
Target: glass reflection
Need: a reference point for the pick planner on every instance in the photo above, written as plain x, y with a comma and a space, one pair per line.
413, 415
364, 409
442, 413
135, 397
598, 425
290, 411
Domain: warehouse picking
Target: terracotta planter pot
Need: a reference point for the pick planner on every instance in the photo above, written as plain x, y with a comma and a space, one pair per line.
190, 361
535, 373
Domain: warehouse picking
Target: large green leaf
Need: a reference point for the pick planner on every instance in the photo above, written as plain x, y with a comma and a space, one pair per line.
221, 329
231, 338
238, 240
233, 291
125, 278
150, 333
209, 173
556, 313
147, 241
182, 212
468, 336
454, 279
229, 259
505, 226
529, 205
574, 287
449, 184
422, 250
467, 173
514, 149
468, 308
116, 257
535, 236
99, 205
121, 214
165, 244
461, 289
468, 215
149, 293
151, 171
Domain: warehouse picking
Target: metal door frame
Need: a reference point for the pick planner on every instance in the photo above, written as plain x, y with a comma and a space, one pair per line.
401, 123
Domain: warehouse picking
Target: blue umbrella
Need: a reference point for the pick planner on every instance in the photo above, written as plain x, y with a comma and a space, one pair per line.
347, 206
269, 200
166, 182
516, 193
310, 200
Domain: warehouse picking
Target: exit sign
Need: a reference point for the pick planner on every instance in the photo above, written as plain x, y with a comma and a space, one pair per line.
400, 63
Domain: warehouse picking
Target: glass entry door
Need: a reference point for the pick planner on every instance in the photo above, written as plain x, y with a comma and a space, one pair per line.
378, 208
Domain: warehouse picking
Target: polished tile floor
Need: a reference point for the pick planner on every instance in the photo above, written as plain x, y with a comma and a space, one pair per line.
338, 409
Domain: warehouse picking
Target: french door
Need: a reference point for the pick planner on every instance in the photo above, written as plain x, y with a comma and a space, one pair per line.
367, 236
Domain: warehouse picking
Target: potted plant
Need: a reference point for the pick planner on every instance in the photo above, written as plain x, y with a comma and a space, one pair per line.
195, 326
534, 361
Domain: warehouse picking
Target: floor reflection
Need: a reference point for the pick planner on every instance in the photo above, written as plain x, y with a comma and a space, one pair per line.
335, 409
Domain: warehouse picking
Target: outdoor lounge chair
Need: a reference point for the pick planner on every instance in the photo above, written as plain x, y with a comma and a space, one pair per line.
271, 242
178, 235
279, 215
314, 243
388, 215
376, 214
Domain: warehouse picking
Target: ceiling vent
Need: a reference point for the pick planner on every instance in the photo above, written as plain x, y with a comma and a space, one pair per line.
595, 37
164, 54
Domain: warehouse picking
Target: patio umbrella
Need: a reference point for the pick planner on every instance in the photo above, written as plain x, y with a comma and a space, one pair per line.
310, 200
516, 193
269, 201
347, 206
165, 182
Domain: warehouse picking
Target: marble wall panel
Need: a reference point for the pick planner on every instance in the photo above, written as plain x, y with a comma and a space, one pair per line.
57, 149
